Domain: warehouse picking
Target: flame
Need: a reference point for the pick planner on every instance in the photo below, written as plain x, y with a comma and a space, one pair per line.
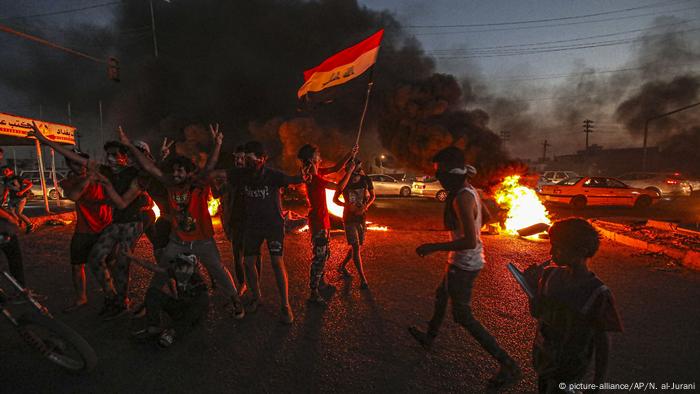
156, 210
213, 205
377, 228
524, 206
333, 208
303, 229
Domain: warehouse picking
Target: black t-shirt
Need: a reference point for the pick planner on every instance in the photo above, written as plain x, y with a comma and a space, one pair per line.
355, 197
122, 181
261, 195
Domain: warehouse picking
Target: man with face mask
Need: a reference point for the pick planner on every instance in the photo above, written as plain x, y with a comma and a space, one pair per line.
263, 222
319, 219
127, 195
192, 229
233, 220
464, 215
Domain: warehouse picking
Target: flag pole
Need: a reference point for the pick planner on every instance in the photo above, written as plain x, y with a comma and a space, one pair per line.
364, 110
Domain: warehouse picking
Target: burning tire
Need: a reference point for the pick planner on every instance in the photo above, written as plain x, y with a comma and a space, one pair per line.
405, 191
642, 202
578, 202
441, 196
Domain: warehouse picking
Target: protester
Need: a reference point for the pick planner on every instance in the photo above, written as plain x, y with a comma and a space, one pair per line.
192, 230
358, 195
9, 245
574, 309
16, 188
123, 187
319, 219
93, 214
232, 212
464, 214
264, 222
185, 303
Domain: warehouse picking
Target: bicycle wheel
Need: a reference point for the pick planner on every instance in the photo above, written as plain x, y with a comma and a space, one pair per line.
57, 342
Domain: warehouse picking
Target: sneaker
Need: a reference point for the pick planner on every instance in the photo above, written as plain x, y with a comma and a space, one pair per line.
145, 334
508, 375
238, 310
167, 338
139, 311
116, 311
425, 339
287, 317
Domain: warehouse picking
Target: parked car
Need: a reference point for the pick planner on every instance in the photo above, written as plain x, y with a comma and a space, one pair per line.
580, 192
384, 185
429, 187
554, 177
666, 184
36, 192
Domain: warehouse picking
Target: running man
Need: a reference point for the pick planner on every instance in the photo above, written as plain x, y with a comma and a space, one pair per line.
16, 188
319, 219
464, 214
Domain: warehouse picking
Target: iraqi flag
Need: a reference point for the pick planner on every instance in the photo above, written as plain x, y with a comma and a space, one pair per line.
342, 67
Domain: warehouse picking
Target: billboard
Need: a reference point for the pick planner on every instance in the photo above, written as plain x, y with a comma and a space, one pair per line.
18, 126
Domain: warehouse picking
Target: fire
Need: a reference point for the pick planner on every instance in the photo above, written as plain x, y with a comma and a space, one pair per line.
333, 208
156, 210
524, 206
213, 205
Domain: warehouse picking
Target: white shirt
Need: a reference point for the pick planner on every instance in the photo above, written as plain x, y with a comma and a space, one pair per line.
468, 259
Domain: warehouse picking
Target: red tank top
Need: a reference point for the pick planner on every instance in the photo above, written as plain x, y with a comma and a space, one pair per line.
92, 211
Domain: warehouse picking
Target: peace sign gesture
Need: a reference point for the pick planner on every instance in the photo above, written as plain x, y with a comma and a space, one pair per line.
165, 148
216, 135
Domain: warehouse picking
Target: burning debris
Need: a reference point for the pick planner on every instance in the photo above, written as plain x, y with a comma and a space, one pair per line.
527, 215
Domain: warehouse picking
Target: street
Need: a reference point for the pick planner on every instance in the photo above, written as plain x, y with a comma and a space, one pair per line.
359, 343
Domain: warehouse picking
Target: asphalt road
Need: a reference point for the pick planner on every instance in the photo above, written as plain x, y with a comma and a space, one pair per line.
359, 343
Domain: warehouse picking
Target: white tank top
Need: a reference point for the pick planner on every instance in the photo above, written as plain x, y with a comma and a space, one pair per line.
468, 259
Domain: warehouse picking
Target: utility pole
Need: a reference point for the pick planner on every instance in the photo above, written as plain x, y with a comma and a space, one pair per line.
505, 137
153, 30
545, 145
588, 128
102, 135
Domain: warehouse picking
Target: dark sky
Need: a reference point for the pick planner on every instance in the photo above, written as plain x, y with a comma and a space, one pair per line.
508, 51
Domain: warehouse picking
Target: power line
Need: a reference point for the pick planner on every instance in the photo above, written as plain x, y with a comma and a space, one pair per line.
436, 51
531, 51
591, 72
69, 11
552, 25
664, 4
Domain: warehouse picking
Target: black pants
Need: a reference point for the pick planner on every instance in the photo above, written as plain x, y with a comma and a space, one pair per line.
185, 313
13, 253
457, 286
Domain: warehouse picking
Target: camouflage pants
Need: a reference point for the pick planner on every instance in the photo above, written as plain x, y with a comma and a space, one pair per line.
321, 252
114, 280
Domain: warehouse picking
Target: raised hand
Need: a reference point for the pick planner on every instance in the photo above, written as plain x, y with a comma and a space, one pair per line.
36, 133
216, 135
123, 138
165, 148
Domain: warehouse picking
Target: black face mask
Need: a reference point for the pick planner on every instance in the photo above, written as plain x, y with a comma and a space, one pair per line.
451, 182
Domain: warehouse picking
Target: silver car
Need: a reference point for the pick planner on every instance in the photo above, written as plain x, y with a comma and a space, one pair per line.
665, 184
36, 192
554, 177
384, 185
429, 187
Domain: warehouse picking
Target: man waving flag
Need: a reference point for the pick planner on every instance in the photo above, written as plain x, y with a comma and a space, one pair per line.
343, 66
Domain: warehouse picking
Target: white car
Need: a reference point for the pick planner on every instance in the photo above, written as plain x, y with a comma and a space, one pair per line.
384, 185
554, 177
36, 192
429, 187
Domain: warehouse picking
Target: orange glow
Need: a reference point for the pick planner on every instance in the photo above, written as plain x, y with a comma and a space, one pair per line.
156, 210
303, 229
377, 228
524, 206
213, 205
333, 208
